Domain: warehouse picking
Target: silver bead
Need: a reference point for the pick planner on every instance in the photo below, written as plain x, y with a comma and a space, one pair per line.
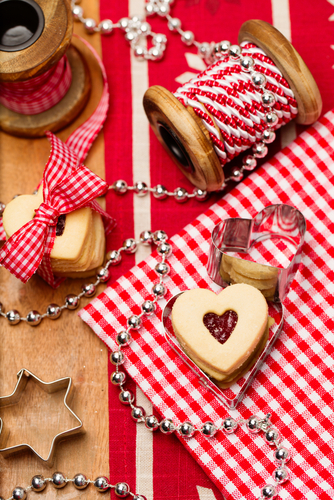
148, 307
145, 28
129, 245
80, 481
234, 52
106, 26
89, 25
271, 436
120, 187
281, 475
174, 24
141, 188
152, 423
247, 63
159, 290
101, 483
138, 413
146, 237
282, 454
159, 237
268, 136
124, 23
38, 483
139, 497
160, 192
159, 39
72, 301
237, 174
126, 397
209, 429
122, 490
260, 150
88, 289
167, 426
155, 53
253, 424
134, 322
140, 53
117, 378
188, 37
271, 119
258, 79
268, 491
13, 317
53, 311
249, 162
123, 338
150, 9
77, 12
19, 493
268, 99
117, 357
229, 425
221, 49
58, 480
180, 195
186, 429
103, 274
34, 318
131, 36
200, 194
162, 269
204, 50
165, 249
114, 257
164, 9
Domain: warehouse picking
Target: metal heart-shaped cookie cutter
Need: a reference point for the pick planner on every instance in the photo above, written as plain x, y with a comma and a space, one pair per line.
237, 235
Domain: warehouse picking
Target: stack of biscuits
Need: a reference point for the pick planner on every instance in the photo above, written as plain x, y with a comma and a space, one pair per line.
226, 362
264, 278
79, 245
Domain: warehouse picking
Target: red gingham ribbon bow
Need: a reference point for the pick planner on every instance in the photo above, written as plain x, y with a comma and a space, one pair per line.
67, 186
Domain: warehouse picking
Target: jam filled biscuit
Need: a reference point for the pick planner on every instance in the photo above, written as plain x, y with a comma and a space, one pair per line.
80, 240
225, 358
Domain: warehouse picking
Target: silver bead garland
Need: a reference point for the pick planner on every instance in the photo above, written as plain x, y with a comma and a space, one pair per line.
113, 257
80, 482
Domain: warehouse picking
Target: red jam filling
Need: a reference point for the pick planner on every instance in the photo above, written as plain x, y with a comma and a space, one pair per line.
222, 326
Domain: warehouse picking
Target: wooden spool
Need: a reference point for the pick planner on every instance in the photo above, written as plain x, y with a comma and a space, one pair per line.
181, 131
51, 23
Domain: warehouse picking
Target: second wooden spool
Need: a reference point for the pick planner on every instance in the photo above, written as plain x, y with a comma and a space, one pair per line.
182, 133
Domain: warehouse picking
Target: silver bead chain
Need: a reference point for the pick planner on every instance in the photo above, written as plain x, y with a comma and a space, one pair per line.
80, 481
72, 301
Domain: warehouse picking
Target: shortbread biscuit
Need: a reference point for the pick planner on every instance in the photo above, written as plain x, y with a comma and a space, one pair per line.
222, 359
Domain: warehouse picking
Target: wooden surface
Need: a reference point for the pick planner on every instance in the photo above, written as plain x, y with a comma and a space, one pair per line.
66, 347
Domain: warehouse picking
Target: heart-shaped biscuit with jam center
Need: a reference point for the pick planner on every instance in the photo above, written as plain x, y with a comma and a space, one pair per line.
221, 361
79, 247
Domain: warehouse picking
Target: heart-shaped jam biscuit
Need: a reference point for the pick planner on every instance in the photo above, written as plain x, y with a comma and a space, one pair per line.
80, 240
228, 360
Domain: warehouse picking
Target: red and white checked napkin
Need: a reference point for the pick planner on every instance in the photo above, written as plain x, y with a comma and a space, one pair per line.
295, 384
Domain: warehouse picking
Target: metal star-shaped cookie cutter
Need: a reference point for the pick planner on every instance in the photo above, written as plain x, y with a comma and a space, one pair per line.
49, 387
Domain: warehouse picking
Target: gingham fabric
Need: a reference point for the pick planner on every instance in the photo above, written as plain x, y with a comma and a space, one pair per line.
295, 384
67, 186
40, 93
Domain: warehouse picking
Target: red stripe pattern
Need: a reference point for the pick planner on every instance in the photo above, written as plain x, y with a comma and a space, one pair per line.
295, 383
